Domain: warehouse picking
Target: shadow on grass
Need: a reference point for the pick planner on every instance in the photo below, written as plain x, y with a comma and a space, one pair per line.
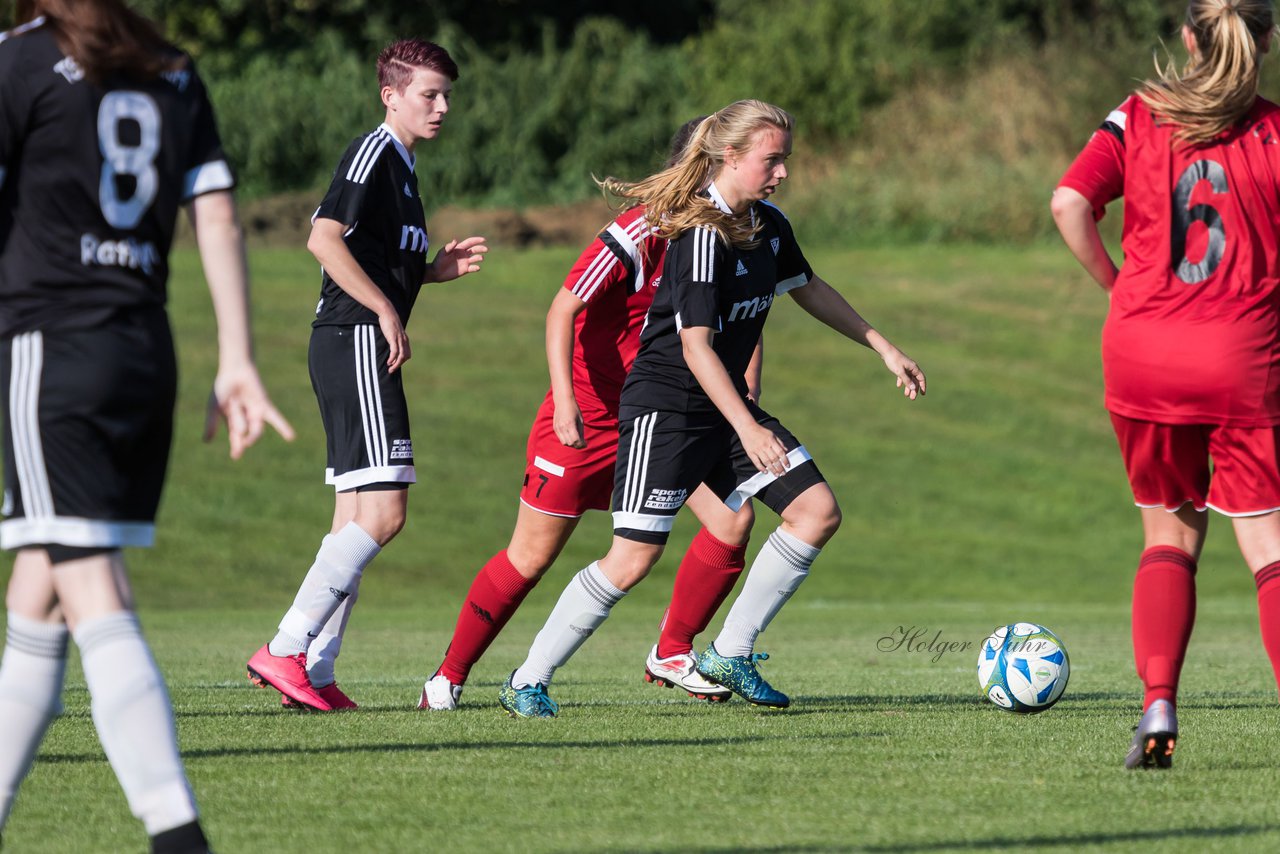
436, 747
997, 843
1072, 841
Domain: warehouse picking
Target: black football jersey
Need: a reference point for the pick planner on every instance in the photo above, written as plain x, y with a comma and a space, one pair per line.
375, 194
708, 283
91, 179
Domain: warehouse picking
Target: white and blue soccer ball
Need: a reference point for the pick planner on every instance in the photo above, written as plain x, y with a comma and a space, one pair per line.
1023, 667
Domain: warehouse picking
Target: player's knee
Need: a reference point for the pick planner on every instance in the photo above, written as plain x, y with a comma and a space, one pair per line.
734, 529
627, 570
383, 525
817, 521
829, 519
531, 562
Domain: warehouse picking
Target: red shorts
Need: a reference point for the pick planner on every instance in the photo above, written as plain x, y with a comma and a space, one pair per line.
564, 481
1169, 465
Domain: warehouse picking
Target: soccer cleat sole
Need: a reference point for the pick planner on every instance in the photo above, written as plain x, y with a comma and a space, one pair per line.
1157, 751
667, 683
255, 679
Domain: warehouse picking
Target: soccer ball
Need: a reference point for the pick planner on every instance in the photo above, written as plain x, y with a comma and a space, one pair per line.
1023, 667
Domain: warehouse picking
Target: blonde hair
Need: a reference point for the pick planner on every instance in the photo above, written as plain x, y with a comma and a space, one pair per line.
673, 198
1219, 84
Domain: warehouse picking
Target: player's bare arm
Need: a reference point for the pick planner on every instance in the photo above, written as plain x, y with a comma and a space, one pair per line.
827, 304
456, 259
328, 247
238, 396
765, 449
567, 420
1073, 214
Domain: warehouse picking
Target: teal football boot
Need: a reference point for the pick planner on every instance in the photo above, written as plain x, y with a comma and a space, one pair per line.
739, 675
530, 702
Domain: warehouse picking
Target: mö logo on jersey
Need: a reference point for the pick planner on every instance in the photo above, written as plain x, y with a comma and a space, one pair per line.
748, 309
179, 78
413, 238
401, 449
666, 499
69, 69
127, 253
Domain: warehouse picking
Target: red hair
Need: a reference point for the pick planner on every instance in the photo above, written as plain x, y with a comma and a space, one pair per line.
398, 60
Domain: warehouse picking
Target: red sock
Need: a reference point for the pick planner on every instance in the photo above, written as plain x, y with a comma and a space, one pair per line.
1268, 581
708, 572
1164, 610
494, 596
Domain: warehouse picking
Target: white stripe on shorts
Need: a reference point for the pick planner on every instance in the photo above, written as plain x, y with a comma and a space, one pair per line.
548, 466
760, 480
24, 415
643, 522
637, 462
370, 394
71, 531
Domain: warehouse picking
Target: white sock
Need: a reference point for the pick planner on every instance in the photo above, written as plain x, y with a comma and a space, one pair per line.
135, 720
322, 655
777, 572
582, 607
31, 672
331, 579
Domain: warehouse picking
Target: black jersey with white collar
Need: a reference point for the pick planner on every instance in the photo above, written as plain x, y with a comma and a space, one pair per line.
707, 283
375, 194
91, 179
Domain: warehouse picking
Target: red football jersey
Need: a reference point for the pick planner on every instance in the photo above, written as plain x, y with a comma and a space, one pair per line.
616, 277
1193, 333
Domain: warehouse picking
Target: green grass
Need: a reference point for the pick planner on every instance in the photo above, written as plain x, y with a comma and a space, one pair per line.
999, 497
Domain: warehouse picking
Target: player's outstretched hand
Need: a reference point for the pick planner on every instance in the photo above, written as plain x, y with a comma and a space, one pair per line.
457, 258
567, 422
239, 398
765, 449
397, 341
910, 376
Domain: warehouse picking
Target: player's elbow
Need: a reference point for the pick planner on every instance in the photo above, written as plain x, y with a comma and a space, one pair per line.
318, 242
1067, 206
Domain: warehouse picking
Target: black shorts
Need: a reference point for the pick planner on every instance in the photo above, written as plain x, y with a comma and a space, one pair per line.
663, 456
88, 423
366, 419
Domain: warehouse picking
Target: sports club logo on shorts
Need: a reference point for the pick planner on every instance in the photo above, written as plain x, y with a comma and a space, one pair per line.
401, 449
666, 499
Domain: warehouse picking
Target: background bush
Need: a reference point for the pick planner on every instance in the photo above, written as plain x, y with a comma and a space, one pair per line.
918, 120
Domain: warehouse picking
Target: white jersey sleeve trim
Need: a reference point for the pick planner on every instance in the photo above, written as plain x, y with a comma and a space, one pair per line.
1118, 118
596, 272
628, 242
754, 484
25, 28
791, 284
207, 178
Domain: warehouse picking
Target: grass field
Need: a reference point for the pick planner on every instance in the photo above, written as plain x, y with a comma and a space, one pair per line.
1000, 497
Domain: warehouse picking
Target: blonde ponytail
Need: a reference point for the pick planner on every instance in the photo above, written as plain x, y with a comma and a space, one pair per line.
1219, 84
673, 198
